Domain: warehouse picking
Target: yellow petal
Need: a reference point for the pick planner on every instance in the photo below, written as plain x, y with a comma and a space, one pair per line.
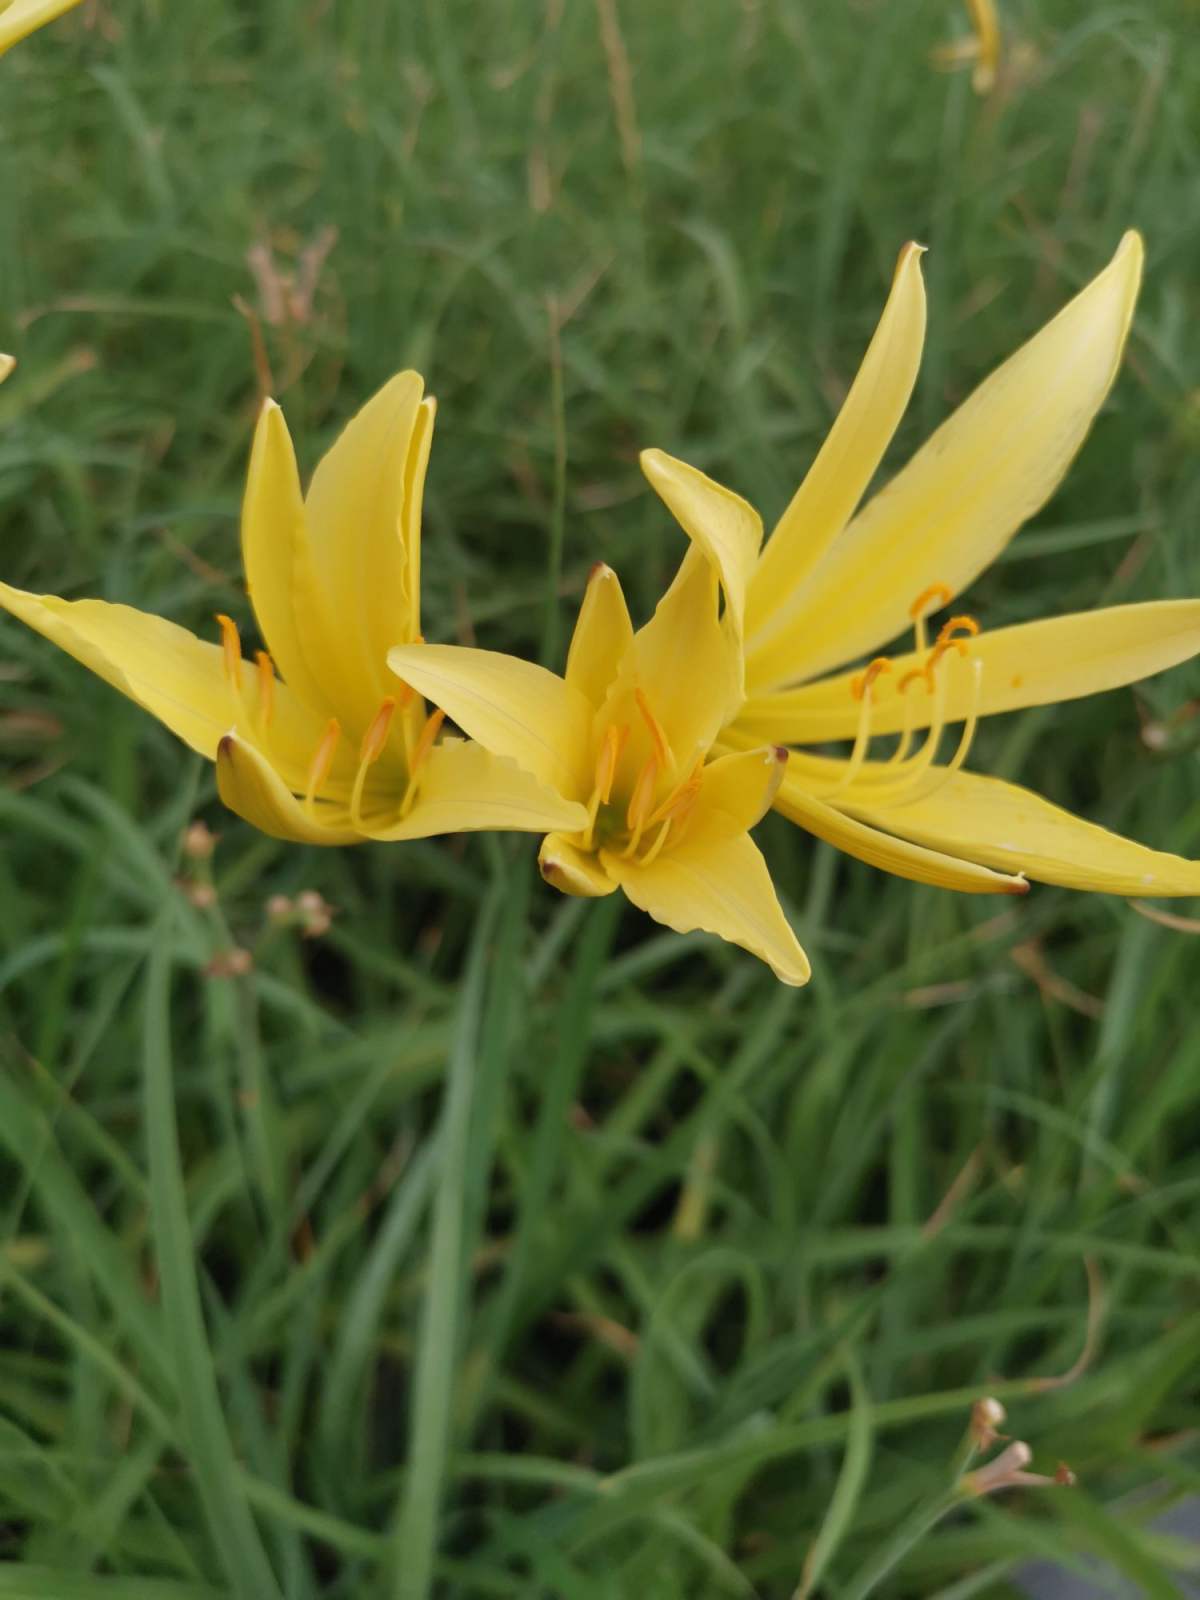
686, 664
1030, 664
571, 870
845, 464
414, 500
719, 883
954, 507
718, 522
742, 786
22, 17
880, 849
284, 590
251, 787
512, 707
355, 509
7, 363
463, 788
1005, 826
602, 635
167, 670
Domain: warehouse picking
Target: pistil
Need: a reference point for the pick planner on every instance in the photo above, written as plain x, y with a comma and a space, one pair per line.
321, 763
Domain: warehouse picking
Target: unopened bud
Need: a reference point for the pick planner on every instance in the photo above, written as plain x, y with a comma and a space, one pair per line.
316, 915
986, 1416
201, 895
199, 842
235, 963
279, 909
1007, 1471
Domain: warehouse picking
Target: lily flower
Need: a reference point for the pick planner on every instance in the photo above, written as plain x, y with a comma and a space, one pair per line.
314, 740
19, 18
835, 584
627, 735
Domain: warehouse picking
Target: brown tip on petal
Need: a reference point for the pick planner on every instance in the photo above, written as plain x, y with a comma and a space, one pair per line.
600, 569
1020, 886
780, 752
226, 746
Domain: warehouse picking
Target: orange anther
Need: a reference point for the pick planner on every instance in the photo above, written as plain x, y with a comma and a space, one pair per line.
266, 686
662, 749
376, 736
405, 695
955, 625
863, 681
937, 594
606, 762
642, 799
425, 743
231, 644
322, 759
679, 802
925, 673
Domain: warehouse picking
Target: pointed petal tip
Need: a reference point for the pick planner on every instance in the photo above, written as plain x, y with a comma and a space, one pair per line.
1019, 886
910, 255
7, 363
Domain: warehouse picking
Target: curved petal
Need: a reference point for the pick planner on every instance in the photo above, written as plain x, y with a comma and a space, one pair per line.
742, 786
22, 17
513, 708
846, 462
1005, 826
250, 786
720, 884
410, 521
880, 849
463, 789
718, 522
687, 665
169, 672
571, 870
602, 635
355, 510
1029, 664
283, 587
7, 363
953, 508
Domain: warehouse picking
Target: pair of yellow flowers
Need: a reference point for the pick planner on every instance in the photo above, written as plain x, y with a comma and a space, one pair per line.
649, 760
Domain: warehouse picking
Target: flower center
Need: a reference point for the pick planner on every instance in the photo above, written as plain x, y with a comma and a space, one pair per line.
646, 820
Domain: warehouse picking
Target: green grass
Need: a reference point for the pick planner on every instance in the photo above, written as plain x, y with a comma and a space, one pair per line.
497, 1244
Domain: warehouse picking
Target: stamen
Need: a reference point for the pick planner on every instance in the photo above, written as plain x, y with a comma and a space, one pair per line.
860, 688
680, 800
660, 838
915, 768
861, 684
425, 743
322, 761
266, 687
231, 644
965, 738
662, 749
906, 733
937, 593
947, 641
372, 747
615, 739
641, 801
928, 600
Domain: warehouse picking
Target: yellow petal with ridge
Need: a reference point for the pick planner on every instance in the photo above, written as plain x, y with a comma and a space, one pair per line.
1030, 664
742, 786
355, 509
284, 590
463, 788
845, 464
718, 522
1011, 828
571, 870
953, 508
719, 883
877, 848
22, 17
512, 707
169, 672
250, 787
602, 635
410, 522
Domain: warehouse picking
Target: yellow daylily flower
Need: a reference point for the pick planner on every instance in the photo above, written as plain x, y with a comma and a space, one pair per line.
831, 587
19, 18
627, 735
315, 741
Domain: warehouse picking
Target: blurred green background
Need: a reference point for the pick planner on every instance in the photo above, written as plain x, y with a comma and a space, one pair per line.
493, 1243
